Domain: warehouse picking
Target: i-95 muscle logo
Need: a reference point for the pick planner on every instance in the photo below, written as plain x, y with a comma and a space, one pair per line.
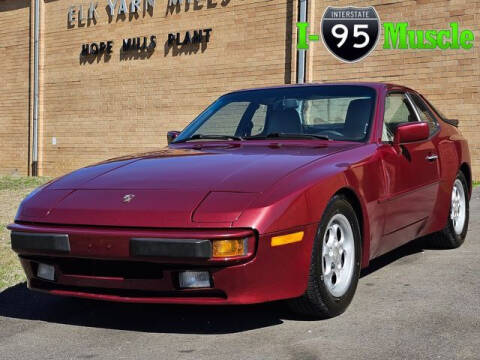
352, 33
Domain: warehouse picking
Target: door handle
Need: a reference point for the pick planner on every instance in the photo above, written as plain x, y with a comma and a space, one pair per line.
432, 157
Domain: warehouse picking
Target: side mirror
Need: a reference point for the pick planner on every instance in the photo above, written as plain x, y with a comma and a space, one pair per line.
172, 135
411, 132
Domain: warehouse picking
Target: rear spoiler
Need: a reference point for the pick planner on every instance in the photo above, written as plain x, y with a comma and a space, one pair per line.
453, 122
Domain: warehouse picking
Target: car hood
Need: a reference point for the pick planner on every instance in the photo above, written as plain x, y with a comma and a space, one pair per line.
175, 187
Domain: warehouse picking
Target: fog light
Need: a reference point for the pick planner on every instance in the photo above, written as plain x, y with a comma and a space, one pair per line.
194, 279
229, 248
46, 272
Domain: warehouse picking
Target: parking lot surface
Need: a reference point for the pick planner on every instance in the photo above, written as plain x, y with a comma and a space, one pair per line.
414, 303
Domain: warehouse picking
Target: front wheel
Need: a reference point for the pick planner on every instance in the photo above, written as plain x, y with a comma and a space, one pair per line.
335, 263
454, 233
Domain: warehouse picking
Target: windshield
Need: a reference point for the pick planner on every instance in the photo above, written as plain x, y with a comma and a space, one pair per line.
338, 112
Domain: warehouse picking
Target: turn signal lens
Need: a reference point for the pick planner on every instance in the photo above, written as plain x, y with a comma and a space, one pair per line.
287, 239
229, 248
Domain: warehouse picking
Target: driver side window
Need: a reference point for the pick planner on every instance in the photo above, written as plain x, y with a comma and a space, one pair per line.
397, 111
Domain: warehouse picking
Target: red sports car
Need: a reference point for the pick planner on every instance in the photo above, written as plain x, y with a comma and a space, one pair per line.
274, 193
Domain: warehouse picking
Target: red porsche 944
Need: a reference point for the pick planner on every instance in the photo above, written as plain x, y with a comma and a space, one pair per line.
273, 193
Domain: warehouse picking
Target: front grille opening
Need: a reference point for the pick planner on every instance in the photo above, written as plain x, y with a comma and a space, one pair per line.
111, 268
106, 268
128, 293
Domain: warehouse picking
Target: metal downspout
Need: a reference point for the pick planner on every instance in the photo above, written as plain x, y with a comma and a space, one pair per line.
36, 31
301, 54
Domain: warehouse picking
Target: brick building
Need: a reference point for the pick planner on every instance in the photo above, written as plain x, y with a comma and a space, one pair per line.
124, 100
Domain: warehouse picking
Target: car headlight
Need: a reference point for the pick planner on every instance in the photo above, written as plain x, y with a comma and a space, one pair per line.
229, 248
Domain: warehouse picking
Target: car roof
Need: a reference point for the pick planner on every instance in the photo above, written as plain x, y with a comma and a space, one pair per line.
375, 85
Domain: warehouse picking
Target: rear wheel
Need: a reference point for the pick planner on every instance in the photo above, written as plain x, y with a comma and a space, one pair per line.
454, 233
335, 263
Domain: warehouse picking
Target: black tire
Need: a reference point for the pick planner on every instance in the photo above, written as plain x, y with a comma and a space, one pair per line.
318, 302
447, 238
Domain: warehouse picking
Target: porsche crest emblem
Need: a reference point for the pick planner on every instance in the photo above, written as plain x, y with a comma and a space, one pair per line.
127, 198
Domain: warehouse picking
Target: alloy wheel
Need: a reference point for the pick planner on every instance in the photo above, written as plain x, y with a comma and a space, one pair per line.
458, 208
338, 255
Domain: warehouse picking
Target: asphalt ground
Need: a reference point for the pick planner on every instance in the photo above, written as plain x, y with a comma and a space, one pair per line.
414, 303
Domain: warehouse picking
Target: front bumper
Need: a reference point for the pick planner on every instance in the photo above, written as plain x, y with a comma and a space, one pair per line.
100, 263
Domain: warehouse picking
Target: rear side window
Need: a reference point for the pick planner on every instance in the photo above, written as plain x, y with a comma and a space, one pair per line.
424, 113
435, 110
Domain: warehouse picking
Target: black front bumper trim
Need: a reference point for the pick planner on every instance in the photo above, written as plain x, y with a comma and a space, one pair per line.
58, 243
176, 248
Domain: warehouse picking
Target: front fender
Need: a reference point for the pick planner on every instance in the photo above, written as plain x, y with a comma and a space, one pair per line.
301, 197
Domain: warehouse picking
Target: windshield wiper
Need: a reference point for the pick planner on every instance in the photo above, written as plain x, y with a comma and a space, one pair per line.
210, 137
287, 136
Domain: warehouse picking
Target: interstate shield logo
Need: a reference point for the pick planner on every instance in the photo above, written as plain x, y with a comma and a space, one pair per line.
350, 33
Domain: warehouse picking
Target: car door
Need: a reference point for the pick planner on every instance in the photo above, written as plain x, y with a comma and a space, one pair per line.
411, 175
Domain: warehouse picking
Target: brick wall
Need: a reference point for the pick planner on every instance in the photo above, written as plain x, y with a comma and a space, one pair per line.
103, 108
449, 79
96, 108
14, 86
